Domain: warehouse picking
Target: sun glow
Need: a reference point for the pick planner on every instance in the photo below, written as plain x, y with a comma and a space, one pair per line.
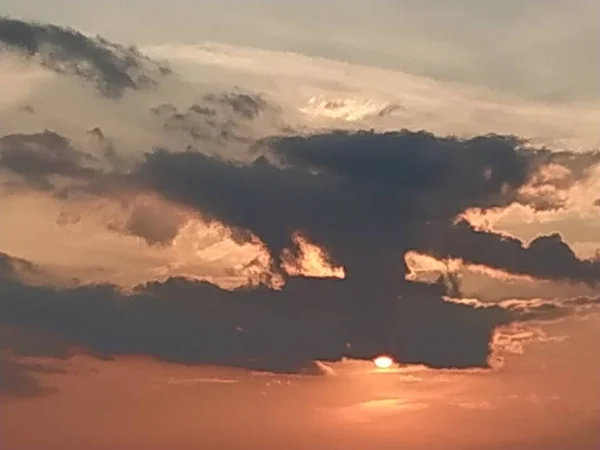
383, 362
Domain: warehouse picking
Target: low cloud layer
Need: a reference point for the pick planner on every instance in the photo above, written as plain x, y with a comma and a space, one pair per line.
261, 329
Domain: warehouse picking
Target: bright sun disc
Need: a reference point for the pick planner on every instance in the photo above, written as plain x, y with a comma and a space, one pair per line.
383, 362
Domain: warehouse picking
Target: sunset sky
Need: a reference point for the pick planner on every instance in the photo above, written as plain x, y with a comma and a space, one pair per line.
216, 215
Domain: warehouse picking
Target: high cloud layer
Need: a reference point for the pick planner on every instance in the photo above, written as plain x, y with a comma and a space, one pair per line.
357, 202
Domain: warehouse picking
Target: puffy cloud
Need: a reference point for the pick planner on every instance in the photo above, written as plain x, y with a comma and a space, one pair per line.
42, 157
367, 198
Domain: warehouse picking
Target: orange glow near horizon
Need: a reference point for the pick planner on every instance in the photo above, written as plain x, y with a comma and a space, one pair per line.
383, 362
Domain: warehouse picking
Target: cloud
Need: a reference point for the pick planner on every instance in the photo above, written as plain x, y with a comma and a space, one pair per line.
13, 269
247, 105
112, 68
338, 94
262, 329
367, 198
348, 109
192, 381
365, 193
220, 118
259, 329
309, 260
546, 257
486, 283
40, 158
343, 205
7, 270
21, 377
373, 411
364, 199
18, 379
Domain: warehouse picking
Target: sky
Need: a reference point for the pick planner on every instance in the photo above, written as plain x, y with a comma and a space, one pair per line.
542, 50
216, 215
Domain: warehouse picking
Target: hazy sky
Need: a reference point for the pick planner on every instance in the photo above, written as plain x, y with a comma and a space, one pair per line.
540, 49
207, 239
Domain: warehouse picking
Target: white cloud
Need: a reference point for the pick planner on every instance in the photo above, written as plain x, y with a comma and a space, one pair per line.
296, 81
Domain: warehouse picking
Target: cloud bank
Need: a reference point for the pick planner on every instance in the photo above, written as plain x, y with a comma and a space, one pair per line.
322, 220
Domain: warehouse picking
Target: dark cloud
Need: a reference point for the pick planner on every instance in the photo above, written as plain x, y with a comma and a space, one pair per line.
50, 162
105, 146
219, 118
196, 323
545, 257
260, 329
246, 104
7, 270
111, 67
12, 268
20, 379
28, 108
41, 157
366, 198
158, 224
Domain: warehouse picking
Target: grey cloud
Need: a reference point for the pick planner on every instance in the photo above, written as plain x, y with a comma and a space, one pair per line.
546, 257
367, 198
112, 68
220, 118
19, 379
107, 148
18, 376
7, 270
259, 329
247, 105
156, 224
12, 268
40, 157
50, 162
363, 196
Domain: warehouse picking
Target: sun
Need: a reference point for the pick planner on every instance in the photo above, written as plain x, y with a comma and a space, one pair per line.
383, 362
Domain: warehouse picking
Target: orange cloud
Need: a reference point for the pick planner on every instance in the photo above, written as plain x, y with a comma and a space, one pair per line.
512, 340
309, 260
426, 268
